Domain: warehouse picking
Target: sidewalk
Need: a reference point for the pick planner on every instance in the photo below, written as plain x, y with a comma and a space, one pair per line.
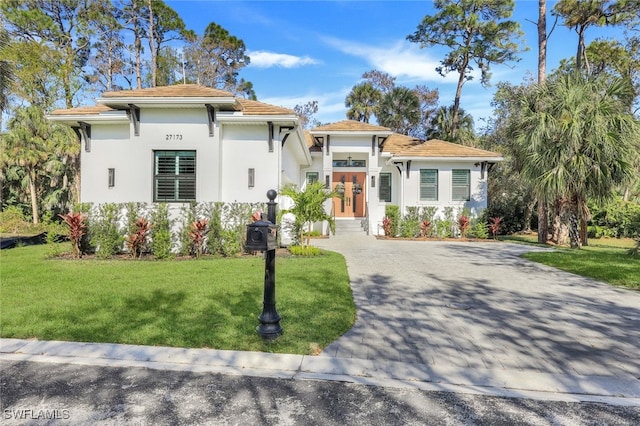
303, 367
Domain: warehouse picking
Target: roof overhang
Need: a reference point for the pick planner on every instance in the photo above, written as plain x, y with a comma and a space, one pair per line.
303, 144
163, 102
357, 133
446, 159
108, 117
256, 119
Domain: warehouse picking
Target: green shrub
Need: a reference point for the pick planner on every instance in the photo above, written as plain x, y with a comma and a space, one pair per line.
617, 218
104, 229
214, 240
188, 216
304, 250
410, 224
13, 221
443, 228
231, 243
161, 232
479, 230
392, 211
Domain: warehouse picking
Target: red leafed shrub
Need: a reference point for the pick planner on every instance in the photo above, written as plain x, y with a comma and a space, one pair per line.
197, 234
386, 226
494, 225
77, 223
463, 225
425, 227
137, 240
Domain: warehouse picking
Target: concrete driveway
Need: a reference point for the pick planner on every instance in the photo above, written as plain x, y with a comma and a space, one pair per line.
478, 314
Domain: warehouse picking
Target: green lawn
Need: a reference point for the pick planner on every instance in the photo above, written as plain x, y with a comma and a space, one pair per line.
604, 259
209, 302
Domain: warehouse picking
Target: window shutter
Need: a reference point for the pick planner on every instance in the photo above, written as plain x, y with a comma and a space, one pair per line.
460, 180
428, 185
175, 176
384, 187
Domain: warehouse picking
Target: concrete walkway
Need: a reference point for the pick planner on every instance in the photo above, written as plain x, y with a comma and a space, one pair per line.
459, 317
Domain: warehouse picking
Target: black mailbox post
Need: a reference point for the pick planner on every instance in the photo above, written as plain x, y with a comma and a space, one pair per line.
262, 236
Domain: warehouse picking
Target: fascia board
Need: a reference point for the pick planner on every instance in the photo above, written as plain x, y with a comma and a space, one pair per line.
303, 145
73, 119
356, 133
447, 159
163, 102
237, 118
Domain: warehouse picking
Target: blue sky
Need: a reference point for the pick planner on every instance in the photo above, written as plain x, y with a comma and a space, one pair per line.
317, 50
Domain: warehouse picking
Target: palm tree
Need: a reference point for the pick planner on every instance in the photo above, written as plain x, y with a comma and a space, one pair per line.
309, 205
399, 110
579, 142
6, 74
362, 101
37, 152
442, 126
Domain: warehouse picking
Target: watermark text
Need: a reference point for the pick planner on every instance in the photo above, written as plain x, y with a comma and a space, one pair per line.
36, 414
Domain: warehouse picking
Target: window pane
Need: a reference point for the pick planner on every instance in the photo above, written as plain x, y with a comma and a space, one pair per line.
165, 165
312, 177
428, 185
384, 191
460, 180
187, 165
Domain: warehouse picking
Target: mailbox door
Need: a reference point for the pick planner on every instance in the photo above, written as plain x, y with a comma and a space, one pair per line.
256, 238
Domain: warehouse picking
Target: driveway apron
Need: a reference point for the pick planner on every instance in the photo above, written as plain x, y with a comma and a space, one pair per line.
479, 306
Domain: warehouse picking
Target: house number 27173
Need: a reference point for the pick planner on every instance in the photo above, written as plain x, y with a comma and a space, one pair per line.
173, 137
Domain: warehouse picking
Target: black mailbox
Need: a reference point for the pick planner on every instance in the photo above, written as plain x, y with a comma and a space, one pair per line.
261, 236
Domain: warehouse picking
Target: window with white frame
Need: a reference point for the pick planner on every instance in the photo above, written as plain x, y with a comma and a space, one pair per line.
312, 177
460, 185
428, 185
174, 176
384, 187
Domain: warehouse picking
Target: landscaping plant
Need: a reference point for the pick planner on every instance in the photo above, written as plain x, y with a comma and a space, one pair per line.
386, 226
197, 234
77, 230
494, 226
425, 228
137, 240
392, 211
161, 232
105, 233
463, 225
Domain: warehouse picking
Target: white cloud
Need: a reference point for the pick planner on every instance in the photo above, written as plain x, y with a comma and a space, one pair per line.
401, 59
264, 59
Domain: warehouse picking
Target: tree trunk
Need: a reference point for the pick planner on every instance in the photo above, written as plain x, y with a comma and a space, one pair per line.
574, 223
137, 43
542, 41
585, 216
584, 235
543, 221
561, 222
152, 47
456, 106
33, 194
528, 212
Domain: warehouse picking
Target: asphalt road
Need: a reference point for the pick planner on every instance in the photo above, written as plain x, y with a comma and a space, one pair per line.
42, 393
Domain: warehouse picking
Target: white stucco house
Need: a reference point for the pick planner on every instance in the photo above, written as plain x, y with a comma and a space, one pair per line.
186, 143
